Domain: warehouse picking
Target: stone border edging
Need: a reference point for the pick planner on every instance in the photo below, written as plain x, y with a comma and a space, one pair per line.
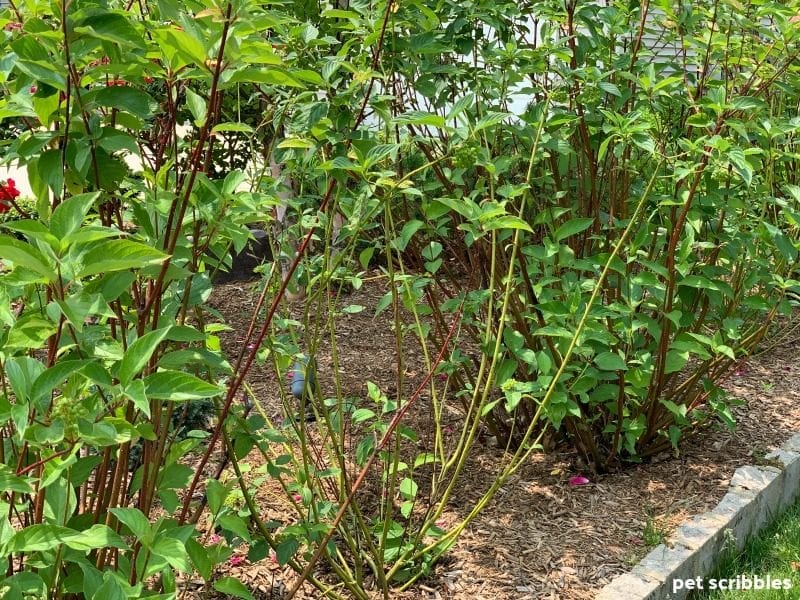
756, 496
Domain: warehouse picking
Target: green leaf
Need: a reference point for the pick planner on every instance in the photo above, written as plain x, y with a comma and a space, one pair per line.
197, 106
746, 103
138, 395
11, 482
26, 256
234, 127
135, 520
610, 88
125, 98
507, 222
178, 386
173, 551
118, 255
236, 525
111, 27
111, 589
424, 458
490, 120
39, 538
408, 488
463, 206
610, 361
30, 331
97, 536
265, 76
409, 229
69, 215
417, 117
200, 558
139, 353
286, 550
233, 587
362, 414
216, 494
55, 376
572, 227
676, 360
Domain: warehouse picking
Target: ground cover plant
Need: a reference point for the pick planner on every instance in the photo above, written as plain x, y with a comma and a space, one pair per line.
585, 213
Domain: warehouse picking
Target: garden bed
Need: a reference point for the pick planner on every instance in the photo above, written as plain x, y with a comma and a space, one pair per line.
542, 537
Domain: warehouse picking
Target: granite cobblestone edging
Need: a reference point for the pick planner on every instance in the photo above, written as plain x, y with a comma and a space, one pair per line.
756, 496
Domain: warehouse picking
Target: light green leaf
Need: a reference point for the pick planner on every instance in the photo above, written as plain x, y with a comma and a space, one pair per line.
233, 587
135, 520
39, 538
69, 215
118, 255
235, 127
26, 256
676, 360
178, 386
173, 551
507, 222
138, 353
216, 494
197, 106
97, 536
408, 488
418, 117
55, 376
409, 229
11, 482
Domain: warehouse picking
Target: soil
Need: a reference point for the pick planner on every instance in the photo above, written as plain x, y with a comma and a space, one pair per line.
540, 537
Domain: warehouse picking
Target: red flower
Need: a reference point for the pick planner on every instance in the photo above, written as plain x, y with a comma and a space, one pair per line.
148, 79
33, 89
12, 26
8, 191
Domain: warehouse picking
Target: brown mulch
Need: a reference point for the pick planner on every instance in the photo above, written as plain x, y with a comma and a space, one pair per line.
540, 537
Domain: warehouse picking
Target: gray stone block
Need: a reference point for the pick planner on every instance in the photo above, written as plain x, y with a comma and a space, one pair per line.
792, 444
631, 587
766, 482
738, 508
706, 536
756, 496
791, 474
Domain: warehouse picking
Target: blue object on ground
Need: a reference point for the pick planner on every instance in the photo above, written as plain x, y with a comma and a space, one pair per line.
302, 375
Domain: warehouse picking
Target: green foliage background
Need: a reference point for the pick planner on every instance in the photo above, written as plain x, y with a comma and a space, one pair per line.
589, 210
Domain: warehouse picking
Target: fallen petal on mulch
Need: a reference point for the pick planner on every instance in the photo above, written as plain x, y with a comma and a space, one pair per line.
578, 480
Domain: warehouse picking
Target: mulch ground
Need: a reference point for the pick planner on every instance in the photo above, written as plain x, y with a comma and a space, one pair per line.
540, 537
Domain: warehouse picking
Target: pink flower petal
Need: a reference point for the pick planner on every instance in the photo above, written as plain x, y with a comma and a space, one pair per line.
236, 560
578, 480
